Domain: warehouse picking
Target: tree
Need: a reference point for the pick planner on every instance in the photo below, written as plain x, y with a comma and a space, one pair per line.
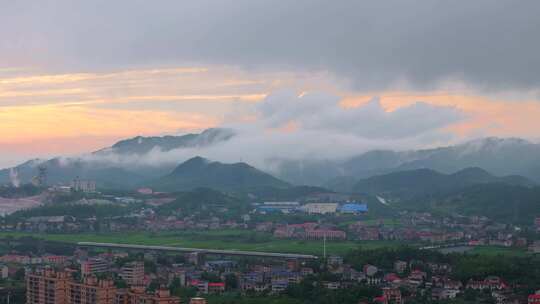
231, 282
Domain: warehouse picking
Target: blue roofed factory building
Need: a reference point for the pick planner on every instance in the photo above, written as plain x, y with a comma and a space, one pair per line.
353, 208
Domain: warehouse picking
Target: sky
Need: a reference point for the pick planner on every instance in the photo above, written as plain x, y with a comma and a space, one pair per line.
76, 76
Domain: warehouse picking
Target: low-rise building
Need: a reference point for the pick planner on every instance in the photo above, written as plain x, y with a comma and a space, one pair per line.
329, 234
353, 208
79, 185
279, 286
534, 298
392, 295
283, 207
400, 266
320, 208
4, 271
443, 293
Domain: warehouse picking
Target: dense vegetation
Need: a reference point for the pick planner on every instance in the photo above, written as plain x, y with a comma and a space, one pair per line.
199, 172
523, 270
422, 183
17, 192
473, 191
500, 202
31, 245
204, 201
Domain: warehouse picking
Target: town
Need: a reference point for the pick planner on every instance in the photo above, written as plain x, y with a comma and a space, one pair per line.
417, 258
90, 274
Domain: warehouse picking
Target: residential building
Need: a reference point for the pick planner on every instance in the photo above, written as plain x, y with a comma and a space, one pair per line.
392, 295
400, 266
491, 283
79, 185
202, 286
535, 247
279, 286
534, 298
93, 266
218, 287
443, 293
138, 295
335, 260
4, 271
331, 285
47, 287
133, 273
146, 191
90, 291
370, 270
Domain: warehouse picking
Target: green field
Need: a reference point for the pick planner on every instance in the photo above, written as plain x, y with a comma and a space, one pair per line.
240, 240
223, 239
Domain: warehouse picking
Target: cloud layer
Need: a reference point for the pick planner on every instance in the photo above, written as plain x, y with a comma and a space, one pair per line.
374, 44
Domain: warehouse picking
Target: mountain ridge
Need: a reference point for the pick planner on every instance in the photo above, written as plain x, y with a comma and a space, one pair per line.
419, 183
139, 145
499, 156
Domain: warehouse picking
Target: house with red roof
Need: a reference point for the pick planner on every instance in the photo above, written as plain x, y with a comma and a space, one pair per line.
534, 298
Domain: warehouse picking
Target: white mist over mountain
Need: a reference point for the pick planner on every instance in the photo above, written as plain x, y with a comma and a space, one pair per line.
309, 126
14, 177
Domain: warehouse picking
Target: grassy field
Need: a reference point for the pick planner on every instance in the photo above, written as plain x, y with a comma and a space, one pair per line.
240, 240
223, 239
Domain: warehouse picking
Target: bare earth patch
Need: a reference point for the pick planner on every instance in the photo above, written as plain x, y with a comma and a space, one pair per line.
10, 205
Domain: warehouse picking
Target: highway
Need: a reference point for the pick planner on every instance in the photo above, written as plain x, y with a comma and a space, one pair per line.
200, 250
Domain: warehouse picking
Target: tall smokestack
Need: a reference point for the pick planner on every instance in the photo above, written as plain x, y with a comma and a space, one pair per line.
14, 177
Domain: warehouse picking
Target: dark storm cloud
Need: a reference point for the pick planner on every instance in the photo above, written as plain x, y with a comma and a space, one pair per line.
374, 44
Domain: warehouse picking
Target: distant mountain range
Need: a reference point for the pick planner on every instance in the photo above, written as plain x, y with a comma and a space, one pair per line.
96, 165
492, 176
471, 191
497, 156
199, 172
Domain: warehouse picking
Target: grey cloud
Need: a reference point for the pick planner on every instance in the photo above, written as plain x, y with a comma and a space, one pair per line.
374, 44
316, 111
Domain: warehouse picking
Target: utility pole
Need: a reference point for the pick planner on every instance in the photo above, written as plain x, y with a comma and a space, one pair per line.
324, 245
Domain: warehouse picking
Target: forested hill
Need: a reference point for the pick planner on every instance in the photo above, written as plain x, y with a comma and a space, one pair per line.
420, 183
199, 172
